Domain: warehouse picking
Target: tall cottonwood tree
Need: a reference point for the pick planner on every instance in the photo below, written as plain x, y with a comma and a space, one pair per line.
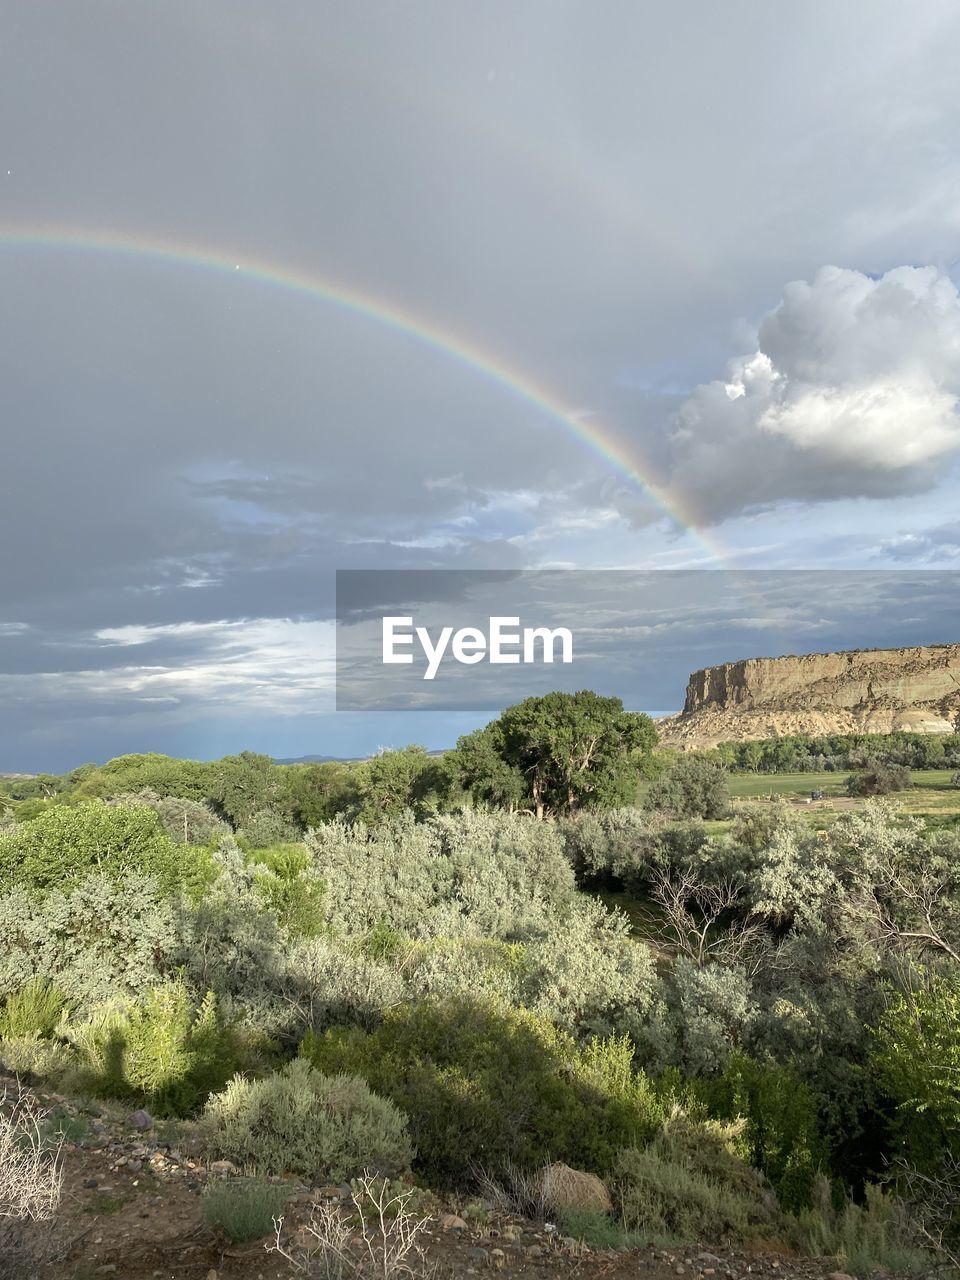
558, 754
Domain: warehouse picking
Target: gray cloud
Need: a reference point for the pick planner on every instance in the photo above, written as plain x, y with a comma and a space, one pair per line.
852, 391
591, 196
937, 544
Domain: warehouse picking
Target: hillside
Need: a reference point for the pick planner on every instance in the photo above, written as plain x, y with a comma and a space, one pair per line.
862, 690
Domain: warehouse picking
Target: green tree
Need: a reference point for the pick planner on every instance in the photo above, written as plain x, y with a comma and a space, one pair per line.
489, 778
878, 779
396, 780
163, 775
246, 784
572, 751
694, 788
317, 793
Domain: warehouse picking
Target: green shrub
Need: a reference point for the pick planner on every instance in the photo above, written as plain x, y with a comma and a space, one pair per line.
916, 1058
582, 972
699, 1017
782, 1135
481, 875
64, 844
864, 1239
34, 1055
189, 821
164, 1050
267, 828
35, 1009
596, 1229
326, 984
487, 1085
299, 1121
689, 1184
285, 879
243, 1208
611, 847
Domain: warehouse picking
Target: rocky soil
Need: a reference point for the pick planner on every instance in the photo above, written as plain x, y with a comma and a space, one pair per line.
133, 1209
863, 691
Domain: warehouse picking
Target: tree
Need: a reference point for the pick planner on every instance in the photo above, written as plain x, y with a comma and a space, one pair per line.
398, 780
694, 788
558, 754
489, 778
878, 779
246, 784
316, 793
164, 775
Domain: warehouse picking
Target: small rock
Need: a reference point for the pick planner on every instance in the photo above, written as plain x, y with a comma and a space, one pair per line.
450, 1222
533, 1251
89, 1184
478, 1255
211, 1274
140, 1120
497, 1259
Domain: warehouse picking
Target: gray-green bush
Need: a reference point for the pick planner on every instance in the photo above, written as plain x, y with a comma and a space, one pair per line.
106, 937
300, 1121
689, 1184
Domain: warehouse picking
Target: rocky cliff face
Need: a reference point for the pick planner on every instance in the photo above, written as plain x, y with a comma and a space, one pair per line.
864, 690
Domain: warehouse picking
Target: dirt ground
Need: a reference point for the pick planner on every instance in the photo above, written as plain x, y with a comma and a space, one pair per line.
133, 1210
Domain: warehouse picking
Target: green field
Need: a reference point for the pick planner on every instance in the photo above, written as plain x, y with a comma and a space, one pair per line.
932, 792
748, 786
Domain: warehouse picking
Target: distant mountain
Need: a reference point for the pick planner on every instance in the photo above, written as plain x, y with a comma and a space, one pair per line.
339, 759
318, 759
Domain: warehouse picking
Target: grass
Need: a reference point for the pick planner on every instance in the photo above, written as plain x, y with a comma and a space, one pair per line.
244, 1208
645, 917
931, 793
104, 1203
598, 1230
749, 786
864, 1239
63, 1124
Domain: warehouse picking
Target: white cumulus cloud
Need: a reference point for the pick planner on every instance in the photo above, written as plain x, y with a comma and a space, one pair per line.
852, 391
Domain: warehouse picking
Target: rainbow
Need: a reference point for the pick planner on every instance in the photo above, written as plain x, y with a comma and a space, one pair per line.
520, 385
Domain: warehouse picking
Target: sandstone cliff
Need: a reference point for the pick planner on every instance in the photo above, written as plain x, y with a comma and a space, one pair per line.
863, 690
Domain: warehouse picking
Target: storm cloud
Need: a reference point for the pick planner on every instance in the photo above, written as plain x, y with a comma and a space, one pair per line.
599, 206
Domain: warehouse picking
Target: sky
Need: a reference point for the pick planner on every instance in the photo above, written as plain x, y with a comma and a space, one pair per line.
286, 289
